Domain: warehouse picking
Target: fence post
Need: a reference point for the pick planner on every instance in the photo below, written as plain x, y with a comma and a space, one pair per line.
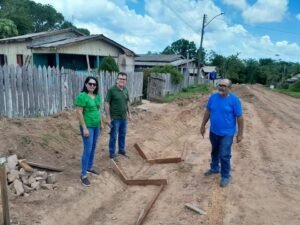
3, 180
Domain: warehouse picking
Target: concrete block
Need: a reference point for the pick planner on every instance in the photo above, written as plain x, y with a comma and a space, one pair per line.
25, 180
42, 174
18, 187
27, 189
12, 162
51, 179
36, 185
12, 176
31, 180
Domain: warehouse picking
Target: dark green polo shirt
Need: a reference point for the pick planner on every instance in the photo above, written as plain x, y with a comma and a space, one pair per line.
91, 106
118, 100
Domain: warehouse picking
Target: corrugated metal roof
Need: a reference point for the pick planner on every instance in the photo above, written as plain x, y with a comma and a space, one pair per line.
64, 42
158, 58
37, 35
75, 40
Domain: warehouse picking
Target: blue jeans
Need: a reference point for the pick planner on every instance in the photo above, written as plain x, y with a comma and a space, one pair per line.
117, 128
89, 148
221, 152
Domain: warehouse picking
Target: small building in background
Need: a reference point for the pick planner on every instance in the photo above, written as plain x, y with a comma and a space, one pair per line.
148, 61
66, 48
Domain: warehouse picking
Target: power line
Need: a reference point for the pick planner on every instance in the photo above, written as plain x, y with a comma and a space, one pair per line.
179, 16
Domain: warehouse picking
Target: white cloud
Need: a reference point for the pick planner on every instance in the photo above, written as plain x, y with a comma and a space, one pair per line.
298, 16
266, 11
240, 4
167, 21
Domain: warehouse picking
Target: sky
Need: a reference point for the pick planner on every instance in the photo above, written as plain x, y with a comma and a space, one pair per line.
251, 28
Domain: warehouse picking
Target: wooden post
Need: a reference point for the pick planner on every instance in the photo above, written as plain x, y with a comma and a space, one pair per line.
88, 63
3, 180
98, 62
57, 60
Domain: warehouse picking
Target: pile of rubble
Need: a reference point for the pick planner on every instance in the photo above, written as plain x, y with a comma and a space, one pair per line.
23, 179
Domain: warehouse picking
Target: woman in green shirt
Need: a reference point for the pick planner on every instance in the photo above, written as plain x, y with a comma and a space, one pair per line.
88, 112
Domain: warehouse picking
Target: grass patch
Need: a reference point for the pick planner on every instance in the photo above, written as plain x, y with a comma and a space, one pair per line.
189, 92
288, 92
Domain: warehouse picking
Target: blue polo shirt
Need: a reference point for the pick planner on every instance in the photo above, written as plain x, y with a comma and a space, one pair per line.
223, 113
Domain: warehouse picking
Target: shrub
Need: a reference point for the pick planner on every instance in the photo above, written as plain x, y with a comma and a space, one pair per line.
176, 76
295, 87
109, 64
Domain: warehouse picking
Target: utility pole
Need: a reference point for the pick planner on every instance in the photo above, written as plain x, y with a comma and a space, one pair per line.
200, 48
204, 24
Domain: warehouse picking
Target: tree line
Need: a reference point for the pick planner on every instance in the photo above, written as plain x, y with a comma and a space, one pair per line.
264, 71
18, 17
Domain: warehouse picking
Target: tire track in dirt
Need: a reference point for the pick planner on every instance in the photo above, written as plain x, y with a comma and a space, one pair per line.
265, 165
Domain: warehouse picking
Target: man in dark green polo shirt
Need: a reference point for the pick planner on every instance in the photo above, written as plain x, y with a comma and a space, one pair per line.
117, 113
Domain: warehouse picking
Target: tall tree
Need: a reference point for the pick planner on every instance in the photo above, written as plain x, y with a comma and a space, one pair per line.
30, 16
182, 47
235, 69
7, 28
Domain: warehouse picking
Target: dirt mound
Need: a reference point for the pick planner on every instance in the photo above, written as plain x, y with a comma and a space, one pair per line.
265, 167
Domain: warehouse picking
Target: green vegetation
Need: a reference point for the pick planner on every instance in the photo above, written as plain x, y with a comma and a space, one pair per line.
176, 76
7, 28
288, 92
189, 92
182, 47
30, 17
295, 87
109, 64
264, 71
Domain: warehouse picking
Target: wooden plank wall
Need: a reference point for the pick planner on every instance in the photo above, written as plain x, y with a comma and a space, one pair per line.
33, 92
160, 85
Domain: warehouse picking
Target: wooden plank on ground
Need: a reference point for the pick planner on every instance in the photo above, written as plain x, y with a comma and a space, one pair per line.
44, 166
145, 211
166, 160
157, 182
118, 171
140, 151
195, 209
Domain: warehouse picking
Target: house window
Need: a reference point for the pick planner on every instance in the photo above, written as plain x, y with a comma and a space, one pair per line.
3, 59
20, 59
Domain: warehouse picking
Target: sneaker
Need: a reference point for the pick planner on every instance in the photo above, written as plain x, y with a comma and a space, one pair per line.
210, 172
224, 182
93, 171
123, 154
85, 181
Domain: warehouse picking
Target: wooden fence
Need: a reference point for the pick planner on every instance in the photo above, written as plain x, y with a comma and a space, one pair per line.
159, 85
31, 92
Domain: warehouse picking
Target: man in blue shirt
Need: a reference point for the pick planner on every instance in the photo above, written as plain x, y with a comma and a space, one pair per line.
224, 110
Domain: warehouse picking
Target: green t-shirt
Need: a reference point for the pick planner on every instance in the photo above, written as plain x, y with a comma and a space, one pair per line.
117, 100
91, 106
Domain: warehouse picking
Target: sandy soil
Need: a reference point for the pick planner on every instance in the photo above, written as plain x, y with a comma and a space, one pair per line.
265, 167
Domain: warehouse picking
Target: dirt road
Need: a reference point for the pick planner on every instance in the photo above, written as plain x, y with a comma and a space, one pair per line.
265, 167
